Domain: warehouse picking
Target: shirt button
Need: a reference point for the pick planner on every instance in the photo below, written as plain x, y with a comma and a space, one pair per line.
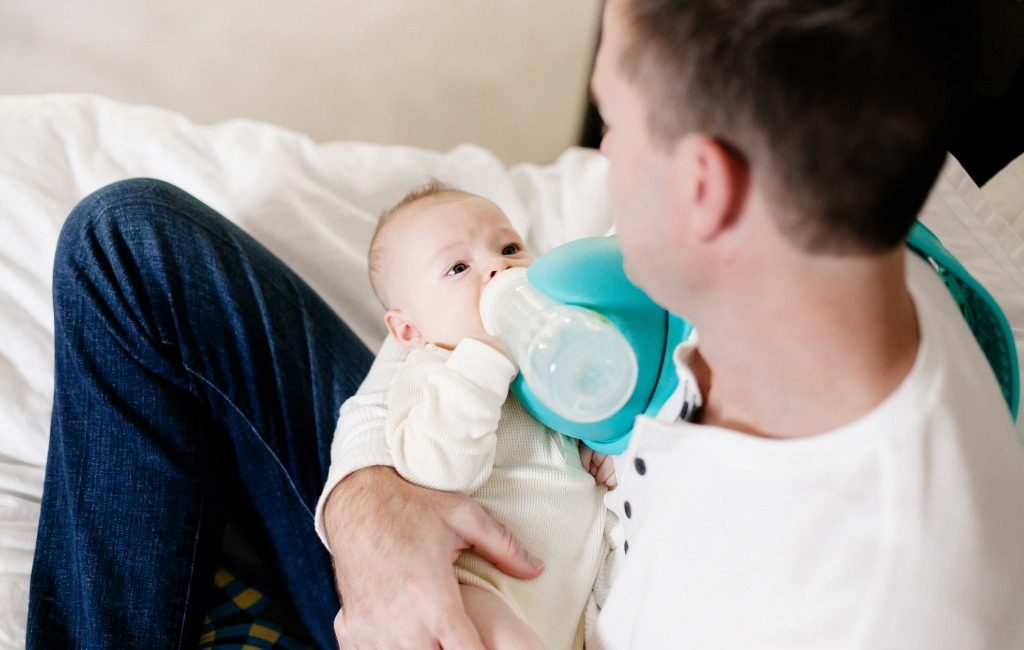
625, 547
640, 465
629, 510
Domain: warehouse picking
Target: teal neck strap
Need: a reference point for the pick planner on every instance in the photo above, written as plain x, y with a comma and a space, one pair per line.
980, 310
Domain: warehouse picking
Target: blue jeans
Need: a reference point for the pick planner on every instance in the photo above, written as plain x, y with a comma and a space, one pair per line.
195, 375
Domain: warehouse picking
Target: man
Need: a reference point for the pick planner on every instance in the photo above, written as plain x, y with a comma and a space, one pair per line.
854, 479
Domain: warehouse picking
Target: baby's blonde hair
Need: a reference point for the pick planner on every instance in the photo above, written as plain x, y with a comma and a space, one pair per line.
375, 259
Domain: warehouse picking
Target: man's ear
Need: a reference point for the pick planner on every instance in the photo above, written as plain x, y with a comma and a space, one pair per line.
715, 182
403, 331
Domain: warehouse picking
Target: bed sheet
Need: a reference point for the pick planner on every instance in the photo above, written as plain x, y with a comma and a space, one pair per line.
315, 206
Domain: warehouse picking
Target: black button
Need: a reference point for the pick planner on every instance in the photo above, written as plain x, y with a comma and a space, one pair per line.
629, 510
625, 547
641, 466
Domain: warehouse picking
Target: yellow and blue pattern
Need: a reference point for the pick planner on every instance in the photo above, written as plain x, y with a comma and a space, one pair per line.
233, 620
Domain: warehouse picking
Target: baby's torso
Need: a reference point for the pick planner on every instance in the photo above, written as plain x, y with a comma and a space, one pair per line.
540, 492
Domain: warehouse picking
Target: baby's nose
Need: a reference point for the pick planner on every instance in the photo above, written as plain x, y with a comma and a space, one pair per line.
498, 269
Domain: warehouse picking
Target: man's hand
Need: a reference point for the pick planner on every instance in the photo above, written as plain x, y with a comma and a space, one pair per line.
394, 544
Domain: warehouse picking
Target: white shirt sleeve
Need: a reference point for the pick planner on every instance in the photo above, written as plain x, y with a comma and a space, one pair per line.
359, 439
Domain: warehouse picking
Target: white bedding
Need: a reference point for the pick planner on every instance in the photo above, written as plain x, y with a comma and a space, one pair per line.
314, 205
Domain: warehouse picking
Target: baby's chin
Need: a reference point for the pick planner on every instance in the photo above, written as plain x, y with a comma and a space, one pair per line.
451, 345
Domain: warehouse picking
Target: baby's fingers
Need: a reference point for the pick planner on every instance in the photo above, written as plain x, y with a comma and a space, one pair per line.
606, 472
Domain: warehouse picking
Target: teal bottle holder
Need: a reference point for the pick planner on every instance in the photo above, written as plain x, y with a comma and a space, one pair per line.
588, 273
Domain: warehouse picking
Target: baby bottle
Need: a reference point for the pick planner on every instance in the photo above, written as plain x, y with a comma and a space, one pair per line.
575, 361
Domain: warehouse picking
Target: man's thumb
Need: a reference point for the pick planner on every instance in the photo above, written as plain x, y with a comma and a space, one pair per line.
494, 543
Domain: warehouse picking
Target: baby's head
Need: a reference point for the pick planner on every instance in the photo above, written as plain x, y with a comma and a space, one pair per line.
431, 257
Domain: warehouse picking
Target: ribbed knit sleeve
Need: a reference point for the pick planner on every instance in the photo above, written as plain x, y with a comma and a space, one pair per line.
443, 412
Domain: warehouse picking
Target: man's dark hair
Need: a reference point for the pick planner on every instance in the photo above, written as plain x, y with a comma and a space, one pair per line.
847, 106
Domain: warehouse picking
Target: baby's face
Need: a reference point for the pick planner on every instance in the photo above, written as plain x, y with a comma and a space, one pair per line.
440, 253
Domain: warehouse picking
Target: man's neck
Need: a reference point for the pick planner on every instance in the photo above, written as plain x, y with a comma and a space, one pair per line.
833, 338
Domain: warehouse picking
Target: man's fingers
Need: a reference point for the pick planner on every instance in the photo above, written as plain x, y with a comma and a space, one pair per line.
453, 633
492, 542
345, 641
459, 633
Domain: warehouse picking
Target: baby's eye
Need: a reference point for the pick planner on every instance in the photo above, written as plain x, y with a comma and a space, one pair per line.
458, 268
511, 249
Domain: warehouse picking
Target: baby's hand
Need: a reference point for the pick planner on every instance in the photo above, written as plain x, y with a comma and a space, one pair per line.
600, 466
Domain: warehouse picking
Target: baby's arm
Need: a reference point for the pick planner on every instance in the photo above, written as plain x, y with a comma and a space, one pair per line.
443, 415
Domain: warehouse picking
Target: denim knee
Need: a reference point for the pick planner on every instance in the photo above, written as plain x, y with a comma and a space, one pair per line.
127, 218
111, 207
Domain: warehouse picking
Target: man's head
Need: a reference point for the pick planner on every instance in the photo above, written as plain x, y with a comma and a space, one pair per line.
840, 110
430, 258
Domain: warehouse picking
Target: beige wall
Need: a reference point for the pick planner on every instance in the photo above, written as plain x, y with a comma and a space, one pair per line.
510, 75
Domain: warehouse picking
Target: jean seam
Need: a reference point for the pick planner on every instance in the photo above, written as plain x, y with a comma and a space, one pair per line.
253, 429
195, 550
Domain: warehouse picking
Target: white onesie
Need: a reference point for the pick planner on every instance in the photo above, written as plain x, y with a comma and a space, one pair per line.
450, 427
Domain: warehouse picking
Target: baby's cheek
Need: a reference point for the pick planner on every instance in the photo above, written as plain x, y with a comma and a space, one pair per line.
460, 324
473, 329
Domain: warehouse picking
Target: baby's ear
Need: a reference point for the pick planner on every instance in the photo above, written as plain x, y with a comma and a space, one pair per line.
403, 331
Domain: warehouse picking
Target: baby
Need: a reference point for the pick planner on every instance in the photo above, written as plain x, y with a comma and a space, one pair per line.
452, 426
